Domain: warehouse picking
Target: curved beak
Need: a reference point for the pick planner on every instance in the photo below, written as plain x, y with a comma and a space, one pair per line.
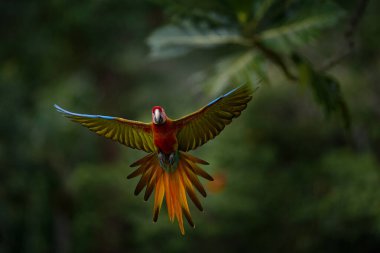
158, 119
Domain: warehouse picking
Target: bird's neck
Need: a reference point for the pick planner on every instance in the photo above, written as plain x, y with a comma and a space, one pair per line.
165, 138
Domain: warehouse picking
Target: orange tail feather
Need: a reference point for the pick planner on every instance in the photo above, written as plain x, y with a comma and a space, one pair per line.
172, 185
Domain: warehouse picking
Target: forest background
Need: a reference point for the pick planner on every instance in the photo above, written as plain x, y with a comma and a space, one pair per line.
297, 172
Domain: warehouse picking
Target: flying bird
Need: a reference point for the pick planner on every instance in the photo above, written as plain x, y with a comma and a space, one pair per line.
168, 169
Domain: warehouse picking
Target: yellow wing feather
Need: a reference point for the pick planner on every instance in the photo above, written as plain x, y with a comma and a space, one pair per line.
205, 124
133, 134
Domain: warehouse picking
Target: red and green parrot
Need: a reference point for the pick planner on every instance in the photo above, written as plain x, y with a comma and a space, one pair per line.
168, 169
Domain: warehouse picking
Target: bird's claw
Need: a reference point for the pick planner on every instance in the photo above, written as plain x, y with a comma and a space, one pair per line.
161, 159
171, 158
168, 162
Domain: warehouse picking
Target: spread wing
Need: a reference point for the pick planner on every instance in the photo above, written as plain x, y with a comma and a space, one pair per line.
134, 134
206, 123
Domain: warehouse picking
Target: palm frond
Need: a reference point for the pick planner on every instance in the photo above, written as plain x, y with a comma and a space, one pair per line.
239, 68
175, 40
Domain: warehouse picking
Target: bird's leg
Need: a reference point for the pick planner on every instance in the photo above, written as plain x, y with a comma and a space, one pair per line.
172, 158
161, 158
168, 162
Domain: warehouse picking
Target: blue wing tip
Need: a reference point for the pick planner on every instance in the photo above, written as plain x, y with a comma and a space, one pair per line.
67, 113
225, 95
244, 85
228, 93
60, 109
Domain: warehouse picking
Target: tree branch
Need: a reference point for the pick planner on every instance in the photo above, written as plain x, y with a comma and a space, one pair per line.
275, 58
353, 23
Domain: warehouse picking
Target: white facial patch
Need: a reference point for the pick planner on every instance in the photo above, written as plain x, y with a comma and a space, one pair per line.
157, 114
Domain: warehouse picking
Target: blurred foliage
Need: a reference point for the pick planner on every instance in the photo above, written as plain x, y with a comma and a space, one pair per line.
288, 180
263, 31
326, 89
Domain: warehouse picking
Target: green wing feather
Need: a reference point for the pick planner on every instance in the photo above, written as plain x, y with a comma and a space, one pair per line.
206, 123
133, 134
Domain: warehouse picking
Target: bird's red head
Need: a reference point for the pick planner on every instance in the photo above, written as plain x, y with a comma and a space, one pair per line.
158, 115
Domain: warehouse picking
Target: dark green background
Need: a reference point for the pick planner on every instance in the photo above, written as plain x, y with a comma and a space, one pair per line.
296, 181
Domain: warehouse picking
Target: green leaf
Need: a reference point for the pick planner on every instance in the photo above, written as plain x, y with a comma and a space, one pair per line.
176, 40
261, 9
236, 69
325, 88
303, 28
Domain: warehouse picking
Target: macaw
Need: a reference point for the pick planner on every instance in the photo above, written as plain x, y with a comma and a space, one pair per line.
169, 170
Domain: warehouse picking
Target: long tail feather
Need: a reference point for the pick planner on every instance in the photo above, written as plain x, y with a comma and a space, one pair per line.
174, 186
